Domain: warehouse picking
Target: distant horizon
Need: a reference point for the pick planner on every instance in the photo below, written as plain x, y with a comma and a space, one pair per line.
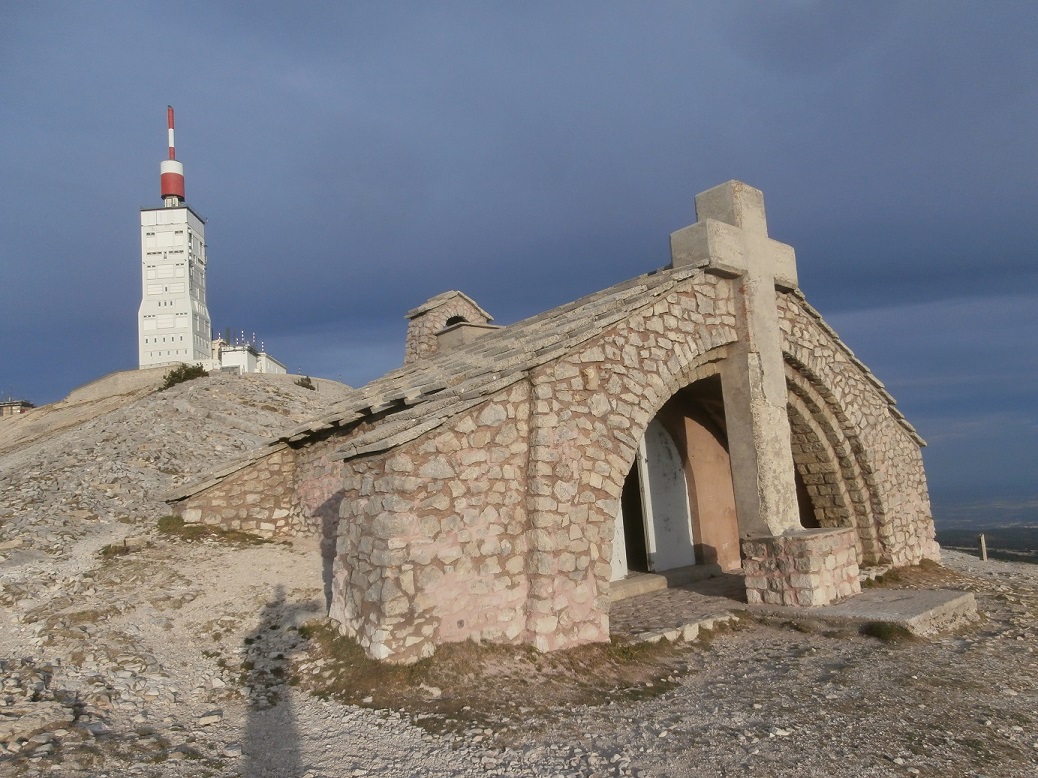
985, 515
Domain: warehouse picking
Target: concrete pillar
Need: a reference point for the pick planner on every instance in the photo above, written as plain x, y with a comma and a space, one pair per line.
730, 238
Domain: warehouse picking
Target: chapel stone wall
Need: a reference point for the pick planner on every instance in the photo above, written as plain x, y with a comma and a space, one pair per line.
809, 568
283, 493
257, 498
499, 526
433, 536
318, 490
817, 464
590, 410
886, 451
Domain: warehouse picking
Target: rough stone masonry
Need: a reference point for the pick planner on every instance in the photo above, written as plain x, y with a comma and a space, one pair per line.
499, 484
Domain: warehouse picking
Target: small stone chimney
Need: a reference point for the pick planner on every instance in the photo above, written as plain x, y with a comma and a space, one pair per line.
445, 321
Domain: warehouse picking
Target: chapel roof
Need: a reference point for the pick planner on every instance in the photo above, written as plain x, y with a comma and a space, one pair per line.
411, 400
443, 298
424, 394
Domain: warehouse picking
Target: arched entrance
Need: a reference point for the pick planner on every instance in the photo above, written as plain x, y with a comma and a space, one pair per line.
678, 502
678, 505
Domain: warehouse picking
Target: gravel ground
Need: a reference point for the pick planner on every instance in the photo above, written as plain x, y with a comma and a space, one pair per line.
174, 659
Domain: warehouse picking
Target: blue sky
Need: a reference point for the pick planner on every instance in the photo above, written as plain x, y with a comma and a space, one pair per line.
354, 159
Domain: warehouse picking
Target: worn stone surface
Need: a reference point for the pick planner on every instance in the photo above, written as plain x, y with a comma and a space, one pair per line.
107, 665
923, 613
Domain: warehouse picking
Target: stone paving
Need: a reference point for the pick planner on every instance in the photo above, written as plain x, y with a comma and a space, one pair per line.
679, 612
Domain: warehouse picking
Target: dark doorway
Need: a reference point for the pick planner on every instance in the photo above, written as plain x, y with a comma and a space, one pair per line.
634, 523
808, 519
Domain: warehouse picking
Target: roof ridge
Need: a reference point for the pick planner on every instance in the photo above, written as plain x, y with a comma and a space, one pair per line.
528, 342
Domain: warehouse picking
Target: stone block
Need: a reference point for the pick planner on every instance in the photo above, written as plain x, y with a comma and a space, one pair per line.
493, 415
436, 469
490, 567
690, 632
401, 484
756, 582
545, 625
396, 503
397, 606
804, 581
399, 464
387, 525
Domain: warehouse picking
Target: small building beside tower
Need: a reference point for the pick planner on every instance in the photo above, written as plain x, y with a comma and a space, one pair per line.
244, 357
12, 407
173, 322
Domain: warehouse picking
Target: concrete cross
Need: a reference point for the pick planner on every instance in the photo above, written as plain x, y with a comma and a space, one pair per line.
730, 238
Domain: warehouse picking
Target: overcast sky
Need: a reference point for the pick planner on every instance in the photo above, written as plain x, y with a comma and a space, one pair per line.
354, 159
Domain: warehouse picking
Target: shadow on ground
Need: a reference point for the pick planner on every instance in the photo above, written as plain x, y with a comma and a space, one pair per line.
271, 744
728, 586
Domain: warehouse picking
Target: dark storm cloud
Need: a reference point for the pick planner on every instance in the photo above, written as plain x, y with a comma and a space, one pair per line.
964, 371
354, 159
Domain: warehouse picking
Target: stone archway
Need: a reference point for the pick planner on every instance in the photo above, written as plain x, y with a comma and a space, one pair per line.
830, 495
678, 494
831, 464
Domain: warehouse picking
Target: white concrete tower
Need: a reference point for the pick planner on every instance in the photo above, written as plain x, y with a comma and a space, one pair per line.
173, 321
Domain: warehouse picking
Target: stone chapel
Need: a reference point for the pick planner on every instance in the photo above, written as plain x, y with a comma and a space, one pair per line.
506, 480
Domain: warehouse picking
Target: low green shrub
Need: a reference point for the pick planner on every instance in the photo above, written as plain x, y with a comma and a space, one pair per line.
171, 524
182, 373
175, 526
115, 549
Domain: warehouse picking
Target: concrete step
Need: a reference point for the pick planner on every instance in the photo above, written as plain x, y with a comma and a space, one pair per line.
922, 612
642, 583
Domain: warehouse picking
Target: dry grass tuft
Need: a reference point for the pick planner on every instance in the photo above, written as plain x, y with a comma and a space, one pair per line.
887, 632
466, 684
175, 526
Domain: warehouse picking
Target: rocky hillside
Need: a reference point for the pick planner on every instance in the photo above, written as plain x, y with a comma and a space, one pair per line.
90, 472
109, 453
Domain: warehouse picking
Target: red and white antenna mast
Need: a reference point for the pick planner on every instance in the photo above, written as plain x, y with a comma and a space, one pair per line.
172, 171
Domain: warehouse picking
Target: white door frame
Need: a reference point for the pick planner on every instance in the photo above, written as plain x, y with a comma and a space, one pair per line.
673, 557
619, 562
675, 526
